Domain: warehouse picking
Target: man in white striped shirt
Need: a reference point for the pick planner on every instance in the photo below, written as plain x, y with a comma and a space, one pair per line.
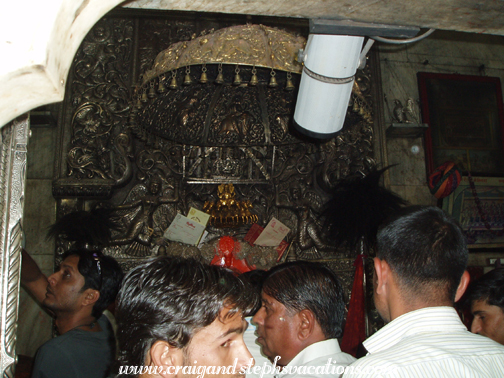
419, 274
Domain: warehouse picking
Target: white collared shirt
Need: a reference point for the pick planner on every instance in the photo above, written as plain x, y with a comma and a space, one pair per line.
322, 359
430, 342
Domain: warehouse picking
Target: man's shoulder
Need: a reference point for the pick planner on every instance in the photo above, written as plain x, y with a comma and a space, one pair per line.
431, 353
324, 351
431, 345
69, 354
334, 358
61, 341
77, 337
324, 358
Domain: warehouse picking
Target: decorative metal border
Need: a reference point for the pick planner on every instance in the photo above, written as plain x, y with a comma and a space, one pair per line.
14, 138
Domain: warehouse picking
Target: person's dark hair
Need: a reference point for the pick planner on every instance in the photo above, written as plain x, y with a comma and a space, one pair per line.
170, 299
425, 248
489, 288
255, 279
302, 285
106, 278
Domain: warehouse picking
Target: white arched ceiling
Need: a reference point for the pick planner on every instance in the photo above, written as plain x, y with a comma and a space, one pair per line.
38, 42
38, 39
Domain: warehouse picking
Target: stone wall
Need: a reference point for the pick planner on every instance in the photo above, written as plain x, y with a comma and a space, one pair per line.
442, 52
35, 325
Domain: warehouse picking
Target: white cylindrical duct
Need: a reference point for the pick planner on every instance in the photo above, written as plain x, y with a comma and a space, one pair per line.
330, 63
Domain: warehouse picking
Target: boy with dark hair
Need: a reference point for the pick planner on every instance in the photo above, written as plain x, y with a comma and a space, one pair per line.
486, 297
85, 284
179, 317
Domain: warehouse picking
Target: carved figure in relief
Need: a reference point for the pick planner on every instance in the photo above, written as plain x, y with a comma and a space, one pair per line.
283, 122
308, 238
140, 231
92, 126
226, 164
95, 55
187, 112
236, 120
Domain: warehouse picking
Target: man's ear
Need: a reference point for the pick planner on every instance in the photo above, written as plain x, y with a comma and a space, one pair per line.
306, 324
464, 282
382, 275
165, 358
91, 296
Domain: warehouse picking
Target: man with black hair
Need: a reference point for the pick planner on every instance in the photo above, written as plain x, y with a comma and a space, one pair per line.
300, 318
419, 273
84, 285
180, 318
263, 367
486, 298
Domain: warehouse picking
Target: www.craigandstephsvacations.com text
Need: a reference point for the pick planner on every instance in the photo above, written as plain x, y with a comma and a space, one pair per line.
330, 368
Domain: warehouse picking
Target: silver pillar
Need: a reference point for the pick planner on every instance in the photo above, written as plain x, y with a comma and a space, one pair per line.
13, 141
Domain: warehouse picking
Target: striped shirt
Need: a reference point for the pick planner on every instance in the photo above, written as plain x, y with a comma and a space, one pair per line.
430, 342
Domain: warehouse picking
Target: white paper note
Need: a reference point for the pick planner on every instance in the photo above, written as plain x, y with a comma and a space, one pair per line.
272, 234
184, 230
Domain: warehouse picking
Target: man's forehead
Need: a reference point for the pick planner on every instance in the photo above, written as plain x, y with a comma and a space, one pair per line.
227, 313
268, 299
482, 305
228, 322
71, 261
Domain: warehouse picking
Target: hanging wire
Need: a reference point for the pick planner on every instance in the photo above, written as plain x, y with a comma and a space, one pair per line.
404, 41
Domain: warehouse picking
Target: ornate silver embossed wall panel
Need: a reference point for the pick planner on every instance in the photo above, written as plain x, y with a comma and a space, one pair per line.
152, 136
13, 141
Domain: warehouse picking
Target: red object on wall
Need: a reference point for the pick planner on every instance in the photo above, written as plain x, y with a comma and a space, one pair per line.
226, 255
355, 327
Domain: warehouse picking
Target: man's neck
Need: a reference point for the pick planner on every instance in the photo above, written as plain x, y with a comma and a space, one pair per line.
66, 322
403, 307
401, 301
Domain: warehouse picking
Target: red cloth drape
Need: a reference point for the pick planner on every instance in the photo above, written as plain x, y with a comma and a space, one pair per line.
355, 327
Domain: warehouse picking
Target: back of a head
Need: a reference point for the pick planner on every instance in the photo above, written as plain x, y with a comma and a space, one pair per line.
170, 299
101, 273
304, 285
488, 288
426, 250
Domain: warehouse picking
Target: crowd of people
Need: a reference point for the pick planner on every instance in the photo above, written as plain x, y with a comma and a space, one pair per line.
179, 317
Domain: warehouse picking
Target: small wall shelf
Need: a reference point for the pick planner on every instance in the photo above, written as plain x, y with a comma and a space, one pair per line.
406, 130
